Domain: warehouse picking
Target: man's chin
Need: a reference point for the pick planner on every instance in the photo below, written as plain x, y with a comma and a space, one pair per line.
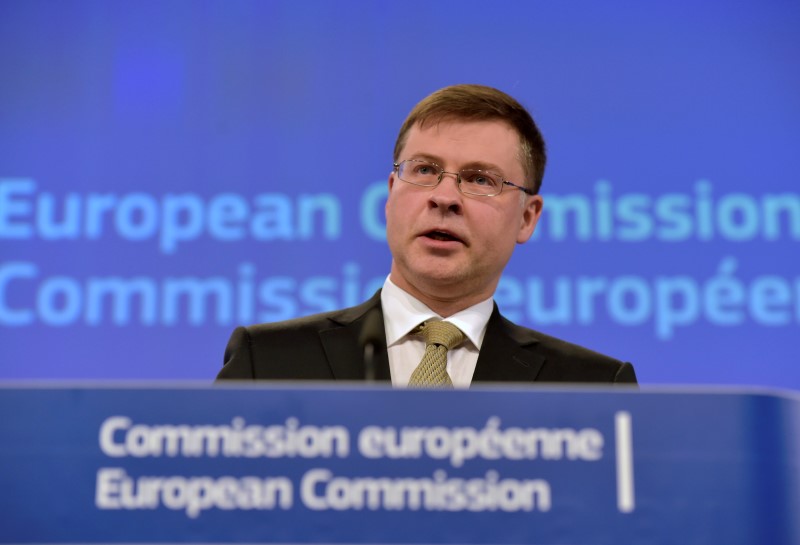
441, 279
432, 273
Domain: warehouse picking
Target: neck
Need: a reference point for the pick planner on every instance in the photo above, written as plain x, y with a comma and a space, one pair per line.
441, 301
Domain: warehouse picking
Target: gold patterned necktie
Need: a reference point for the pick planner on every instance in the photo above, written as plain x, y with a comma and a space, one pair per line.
432, 370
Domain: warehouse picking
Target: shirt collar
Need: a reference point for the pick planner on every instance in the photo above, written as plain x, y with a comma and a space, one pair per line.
403, 312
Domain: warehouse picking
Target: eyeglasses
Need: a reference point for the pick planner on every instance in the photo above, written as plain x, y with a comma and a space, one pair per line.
470, 182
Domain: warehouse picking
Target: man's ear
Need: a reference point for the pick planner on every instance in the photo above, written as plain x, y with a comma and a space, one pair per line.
530, 217
389, 193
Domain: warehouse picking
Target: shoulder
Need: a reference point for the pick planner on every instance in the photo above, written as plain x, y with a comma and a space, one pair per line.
564, 361
313, 323
293, 349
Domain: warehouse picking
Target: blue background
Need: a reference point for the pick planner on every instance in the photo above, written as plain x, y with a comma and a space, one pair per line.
292, 99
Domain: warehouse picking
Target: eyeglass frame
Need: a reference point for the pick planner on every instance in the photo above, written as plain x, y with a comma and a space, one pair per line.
442, 172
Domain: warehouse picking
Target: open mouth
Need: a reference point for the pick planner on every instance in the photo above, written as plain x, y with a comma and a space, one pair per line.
443, 236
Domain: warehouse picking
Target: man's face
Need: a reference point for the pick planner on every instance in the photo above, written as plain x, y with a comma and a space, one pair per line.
449, 247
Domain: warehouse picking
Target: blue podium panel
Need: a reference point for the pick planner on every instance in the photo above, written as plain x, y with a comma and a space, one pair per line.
271, 464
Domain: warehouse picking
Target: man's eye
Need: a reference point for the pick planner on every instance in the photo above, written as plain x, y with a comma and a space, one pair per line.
478, 178
425, 170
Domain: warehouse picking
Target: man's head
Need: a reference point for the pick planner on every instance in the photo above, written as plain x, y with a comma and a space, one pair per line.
468, 102
450, 247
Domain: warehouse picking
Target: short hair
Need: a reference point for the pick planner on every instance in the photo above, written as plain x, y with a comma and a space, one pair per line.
470, 102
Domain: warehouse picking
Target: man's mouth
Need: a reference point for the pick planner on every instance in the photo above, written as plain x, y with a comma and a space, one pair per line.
443, 236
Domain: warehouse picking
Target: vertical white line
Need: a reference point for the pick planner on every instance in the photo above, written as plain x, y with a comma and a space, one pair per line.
626, 501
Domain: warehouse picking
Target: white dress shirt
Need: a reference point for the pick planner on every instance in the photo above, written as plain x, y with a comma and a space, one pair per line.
402, 313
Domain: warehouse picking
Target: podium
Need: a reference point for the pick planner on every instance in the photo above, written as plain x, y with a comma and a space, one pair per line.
253, 463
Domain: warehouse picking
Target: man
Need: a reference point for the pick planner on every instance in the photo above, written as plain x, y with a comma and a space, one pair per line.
468, 164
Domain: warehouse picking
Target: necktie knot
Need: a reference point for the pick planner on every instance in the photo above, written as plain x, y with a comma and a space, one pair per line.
442, 333
432, 370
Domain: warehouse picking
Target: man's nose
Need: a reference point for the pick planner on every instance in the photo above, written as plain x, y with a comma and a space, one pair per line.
447, 194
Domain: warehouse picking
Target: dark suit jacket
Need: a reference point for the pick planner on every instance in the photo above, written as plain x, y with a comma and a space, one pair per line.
326, 347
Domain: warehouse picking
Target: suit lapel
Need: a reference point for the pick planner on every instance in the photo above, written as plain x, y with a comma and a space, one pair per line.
506, 354
341, 343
